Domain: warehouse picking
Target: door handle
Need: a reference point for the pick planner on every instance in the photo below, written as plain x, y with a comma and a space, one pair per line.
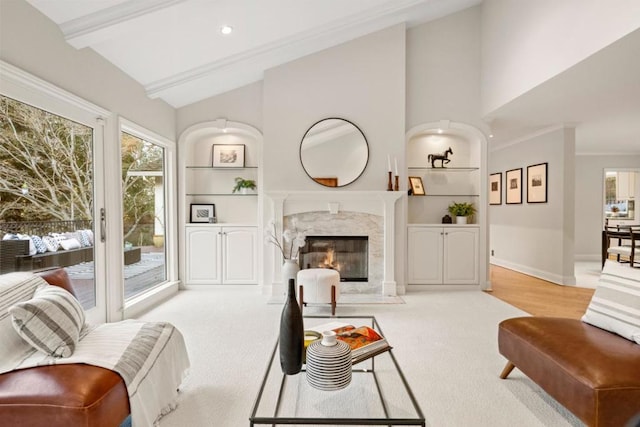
103, 225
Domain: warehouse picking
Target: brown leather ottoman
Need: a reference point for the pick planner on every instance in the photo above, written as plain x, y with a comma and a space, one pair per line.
594, 373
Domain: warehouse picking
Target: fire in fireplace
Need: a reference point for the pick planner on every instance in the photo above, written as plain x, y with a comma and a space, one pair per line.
348, 255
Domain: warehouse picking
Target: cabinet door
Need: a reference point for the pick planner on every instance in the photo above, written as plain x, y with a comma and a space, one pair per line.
425, 255
460, 256
203, 260
240, 255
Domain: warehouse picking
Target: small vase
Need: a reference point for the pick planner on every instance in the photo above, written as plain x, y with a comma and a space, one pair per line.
329, 363
290, 270
461, 220
291, 333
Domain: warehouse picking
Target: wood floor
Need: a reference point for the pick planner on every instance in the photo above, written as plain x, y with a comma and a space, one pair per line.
538, 297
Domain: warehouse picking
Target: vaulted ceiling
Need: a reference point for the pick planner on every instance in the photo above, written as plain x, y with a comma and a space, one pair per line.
176, 50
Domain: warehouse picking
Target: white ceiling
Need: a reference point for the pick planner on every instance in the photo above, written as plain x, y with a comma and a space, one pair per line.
175, 50
600, 96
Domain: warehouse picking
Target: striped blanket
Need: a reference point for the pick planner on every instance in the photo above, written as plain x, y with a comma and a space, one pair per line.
151, 358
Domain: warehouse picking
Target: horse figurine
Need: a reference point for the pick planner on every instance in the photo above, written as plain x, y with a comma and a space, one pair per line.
443, 157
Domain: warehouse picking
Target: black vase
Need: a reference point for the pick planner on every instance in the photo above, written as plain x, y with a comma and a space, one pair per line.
291, 333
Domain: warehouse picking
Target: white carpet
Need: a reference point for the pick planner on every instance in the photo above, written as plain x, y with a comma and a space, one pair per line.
587, 273
444, 339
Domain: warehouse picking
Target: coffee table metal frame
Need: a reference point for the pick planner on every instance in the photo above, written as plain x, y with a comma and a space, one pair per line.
387, 421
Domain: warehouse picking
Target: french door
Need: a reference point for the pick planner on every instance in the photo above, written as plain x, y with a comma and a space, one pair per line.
53, 192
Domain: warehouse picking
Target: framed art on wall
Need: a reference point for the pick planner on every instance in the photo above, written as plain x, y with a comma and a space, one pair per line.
537, 183
513, 186
417, 189
228, 156
202, 213
495, 188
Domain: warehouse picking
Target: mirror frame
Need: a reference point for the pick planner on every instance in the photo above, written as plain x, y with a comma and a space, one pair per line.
366, 143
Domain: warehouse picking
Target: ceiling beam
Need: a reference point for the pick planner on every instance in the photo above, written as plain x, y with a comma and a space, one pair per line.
102, 25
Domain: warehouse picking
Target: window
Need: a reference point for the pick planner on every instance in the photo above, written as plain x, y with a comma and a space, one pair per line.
145, 214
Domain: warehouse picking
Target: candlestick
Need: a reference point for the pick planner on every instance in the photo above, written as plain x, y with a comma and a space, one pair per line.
389, 184
389, 163
397, 186
396, 161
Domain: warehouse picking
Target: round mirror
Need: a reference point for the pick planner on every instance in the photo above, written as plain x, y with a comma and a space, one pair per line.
334, 152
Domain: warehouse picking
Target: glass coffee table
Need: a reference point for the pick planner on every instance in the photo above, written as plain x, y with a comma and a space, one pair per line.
377, 395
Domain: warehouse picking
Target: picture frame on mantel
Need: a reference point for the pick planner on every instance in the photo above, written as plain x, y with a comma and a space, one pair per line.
227, 155
513, 186
202, 213
417, 188
495, 188
537, 183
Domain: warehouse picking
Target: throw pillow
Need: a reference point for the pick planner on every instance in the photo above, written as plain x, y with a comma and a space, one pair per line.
51, 321
84, 238
39, 244
615, 305
51, 243
67, 244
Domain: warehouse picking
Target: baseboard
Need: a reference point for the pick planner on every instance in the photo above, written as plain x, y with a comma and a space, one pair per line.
540, 274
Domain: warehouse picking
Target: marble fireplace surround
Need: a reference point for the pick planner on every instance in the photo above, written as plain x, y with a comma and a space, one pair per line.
345, 213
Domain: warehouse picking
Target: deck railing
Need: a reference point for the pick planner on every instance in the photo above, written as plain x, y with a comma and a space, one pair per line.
42, 228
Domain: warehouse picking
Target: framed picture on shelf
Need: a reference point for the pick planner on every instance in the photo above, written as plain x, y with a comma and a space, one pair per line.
417, 189
495, 188
513, 184
202, 213
228, 156
537, 183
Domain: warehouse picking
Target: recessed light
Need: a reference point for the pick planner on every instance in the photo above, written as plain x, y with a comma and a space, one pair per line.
490, 135
439, 130
226, 30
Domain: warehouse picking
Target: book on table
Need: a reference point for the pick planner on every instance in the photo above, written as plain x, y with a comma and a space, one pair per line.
364, 341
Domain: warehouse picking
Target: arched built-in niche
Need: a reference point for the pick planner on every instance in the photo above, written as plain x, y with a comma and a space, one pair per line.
203, 182
462, 179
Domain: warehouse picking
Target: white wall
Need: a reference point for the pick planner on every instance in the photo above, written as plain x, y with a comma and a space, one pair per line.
589, 200
525, 43
443, 70
242, 105
537, 239
35, 44
362, 81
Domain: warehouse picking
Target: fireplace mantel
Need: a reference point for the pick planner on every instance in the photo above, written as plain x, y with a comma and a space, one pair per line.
381, 203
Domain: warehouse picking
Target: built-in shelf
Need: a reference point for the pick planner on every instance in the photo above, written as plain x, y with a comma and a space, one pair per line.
223, 194
218, 169
447, 195
428, 169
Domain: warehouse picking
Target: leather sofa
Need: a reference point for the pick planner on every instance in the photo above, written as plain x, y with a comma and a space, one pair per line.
75, 395
594, 373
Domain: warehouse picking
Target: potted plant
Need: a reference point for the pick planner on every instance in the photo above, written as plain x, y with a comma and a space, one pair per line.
242, 185
461, 211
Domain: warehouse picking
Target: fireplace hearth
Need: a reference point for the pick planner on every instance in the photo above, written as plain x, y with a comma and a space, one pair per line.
346, 254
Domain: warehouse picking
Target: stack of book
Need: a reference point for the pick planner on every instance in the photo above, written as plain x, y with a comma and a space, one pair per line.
364, 341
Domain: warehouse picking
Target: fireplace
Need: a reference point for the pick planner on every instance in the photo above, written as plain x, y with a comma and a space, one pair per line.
347, 254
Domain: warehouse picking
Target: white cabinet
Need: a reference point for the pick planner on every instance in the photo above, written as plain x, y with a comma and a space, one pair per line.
625, 185
442, 255
221, 254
